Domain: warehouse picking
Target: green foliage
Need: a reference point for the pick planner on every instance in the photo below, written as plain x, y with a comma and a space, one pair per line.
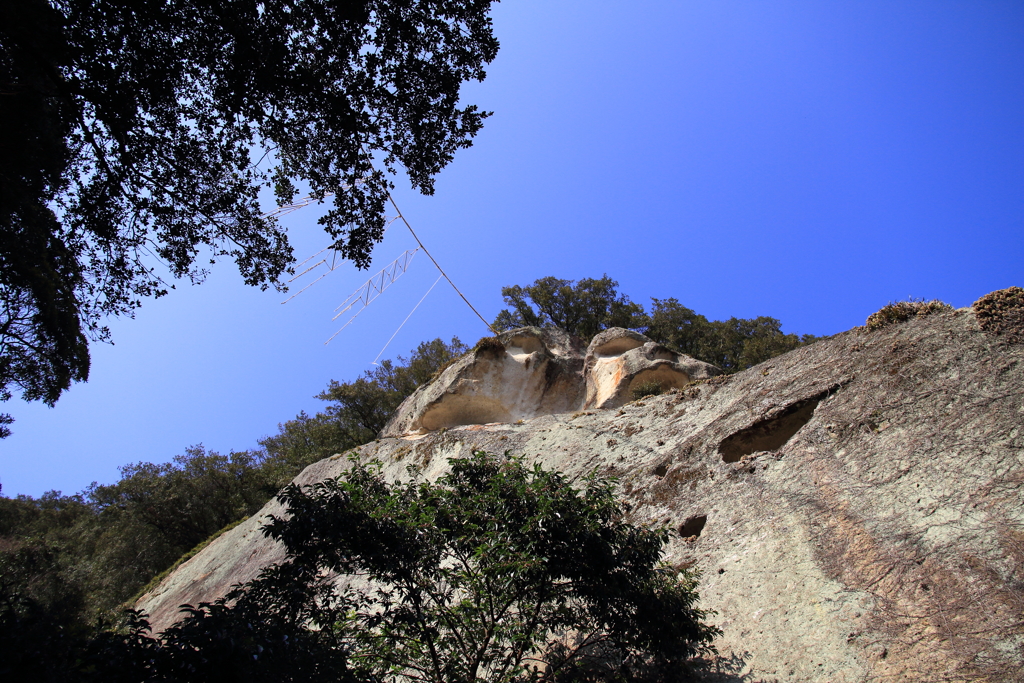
675, 325
901, 311
581, 308
277, 628
733, 345
137, 129
42, 604
105, 544
302, 441
156, 580
357, 410
497, 572
39, 637
156, 513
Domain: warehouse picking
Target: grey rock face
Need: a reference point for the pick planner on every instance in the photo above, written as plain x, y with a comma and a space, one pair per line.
855, 507
619, 360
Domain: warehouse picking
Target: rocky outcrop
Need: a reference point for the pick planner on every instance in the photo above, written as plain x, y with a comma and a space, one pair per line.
519, 375
619, 360
532, 371
855, 507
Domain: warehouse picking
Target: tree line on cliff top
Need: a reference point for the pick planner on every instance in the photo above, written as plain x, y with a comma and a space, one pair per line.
587, 306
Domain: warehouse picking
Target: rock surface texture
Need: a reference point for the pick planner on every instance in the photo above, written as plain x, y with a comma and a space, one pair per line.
531, 371
619, 360
856, 507
522, 374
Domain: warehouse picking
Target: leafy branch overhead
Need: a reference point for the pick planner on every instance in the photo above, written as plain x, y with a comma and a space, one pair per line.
139, 134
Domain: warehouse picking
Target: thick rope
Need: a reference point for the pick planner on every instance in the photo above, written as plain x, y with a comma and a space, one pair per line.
438, 266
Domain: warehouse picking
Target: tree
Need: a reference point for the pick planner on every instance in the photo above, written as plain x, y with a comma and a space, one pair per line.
106, 543
278, 628
140, 134
675, 325
157, 512
581, 308
733, 345
42, 600
496, 572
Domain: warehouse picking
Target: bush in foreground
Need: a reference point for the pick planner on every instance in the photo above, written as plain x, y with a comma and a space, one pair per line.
497, 572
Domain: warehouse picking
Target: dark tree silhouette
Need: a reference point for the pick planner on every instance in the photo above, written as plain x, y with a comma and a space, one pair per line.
140, 133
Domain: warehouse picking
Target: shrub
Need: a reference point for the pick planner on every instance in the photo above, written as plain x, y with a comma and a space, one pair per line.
901, 311
497, 572
1002, 312
644, 389
490, 344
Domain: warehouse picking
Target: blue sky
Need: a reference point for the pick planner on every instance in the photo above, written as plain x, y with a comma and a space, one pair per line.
805, 160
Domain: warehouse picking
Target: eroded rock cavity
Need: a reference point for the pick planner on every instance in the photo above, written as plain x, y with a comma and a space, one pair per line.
692, 527
772, 433
620, 360
530, 372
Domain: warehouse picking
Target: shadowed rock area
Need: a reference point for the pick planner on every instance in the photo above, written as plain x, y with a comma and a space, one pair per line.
856, 507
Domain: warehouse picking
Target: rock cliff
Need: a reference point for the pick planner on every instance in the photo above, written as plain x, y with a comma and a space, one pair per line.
856, 507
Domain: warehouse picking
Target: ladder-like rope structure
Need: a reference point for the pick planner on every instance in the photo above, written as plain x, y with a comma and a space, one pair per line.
376, 285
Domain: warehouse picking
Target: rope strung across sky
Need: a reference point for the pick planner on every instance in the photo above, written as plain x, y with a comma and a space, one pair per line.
376, 285
441, 270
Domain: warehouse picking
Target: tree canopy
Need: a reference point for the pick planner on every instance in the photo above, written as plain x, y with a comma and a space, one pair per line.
138, 137
497, 572
582, 308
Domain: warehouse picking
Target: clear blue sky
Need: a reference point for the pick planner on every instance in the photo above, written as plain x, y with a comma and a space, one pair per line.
805, 160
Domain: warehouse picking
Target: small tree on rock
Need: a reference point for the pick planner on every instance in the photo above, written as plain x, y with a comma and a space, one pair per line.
581, 308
